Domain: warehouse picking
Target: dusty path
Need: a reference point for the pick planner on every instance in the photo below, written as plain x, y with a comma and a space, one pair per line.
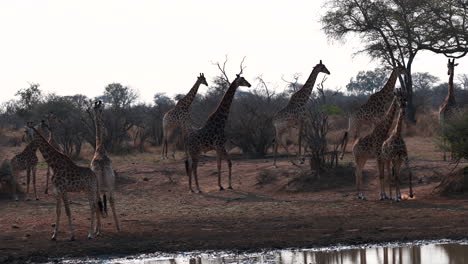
159, 214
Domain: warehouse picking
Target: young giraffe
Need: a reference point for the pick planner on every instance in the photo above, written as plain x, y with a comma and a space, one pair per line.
449, 106
52, 120
25, 161
69, 177
394, 151
370, 146
373, 110
211, 137
292, 116
102, 164
179, 115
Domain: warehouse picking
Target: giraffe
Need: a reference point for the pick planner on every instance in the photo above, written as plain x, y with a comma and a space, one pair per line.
211, 136
25, 161
69, 177
180, 114
102, 164
394, 151
52, 125
449, 107
370, 146
373, 110
292, 115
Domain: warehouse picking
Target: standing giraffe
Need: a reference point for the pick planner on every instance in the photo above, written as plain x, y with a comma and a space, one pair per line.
211, 136
449, 107
292, 116
102, 164
394, 152
370, 146
51, 127
373, 110
179, 115
69, 177
25, 161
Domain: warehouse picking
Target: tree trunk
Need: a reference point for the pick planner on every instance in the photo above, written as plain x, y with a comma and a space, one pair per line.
411, 109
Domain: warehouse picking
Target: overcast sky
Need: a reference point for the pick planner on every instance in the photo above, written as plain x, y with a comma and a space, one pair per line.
72, 47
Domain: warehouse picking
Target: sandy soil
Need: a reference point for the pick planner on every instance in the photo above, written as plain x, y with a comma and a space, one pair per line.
159, 214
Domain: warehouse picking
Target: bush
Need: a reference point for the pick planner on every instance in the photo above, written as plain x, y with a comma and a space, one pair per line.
455, 133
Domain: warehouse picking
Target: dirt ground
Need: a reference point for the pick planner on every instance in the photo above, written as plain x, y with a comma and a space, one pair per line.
158, 213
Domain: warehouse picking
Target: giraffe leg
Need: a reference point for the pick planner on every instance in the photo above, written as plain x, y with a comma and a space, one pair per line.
34, 170
114, 213
226, 156
93, 230
275, 151
28, 179
47, 180
66, 202
58, 207
299, 140
14, 181
381, 167
389, 179
195, 174
396, 171
188, 170
218, 164
360, 162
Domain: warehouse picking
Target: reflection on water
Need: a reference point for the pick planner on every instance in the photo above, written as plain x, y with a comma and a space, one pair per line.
453, 253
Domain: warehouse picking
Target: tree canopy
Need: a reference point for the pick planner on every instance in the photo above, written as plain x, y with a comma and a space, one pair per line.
367, 82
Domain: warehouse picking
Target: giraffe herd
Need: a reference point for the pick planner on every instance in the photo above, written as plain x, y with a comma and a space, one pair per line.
383, 110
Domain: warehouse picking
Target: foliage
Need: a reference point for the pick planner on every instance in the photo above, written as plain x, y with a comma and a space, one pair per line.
367, 82
455, 132
394, 31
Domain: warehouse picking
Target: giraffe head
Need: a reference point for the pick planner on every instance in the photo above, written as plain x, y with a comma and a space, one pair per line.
321, 68
240, 81
451, 66
28, 135
98, 106
202, 80
400, 69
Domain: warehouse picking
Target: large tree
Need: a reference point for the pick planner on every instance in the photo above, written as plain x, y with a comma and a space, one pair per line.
367, 81
395, 31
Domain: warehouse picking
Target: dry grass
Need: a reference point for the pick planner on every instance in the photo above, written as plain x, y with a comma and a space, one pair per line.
427, 125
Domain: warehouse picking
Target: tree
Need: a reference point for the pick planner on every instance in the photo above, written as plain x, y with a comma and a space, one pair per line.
424, 81
395, 31
367, 82
28, 98
119, 96
463, 80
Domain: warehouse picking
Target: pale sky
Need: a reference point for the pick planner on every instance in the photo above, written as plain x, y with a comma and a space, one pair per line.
72, 47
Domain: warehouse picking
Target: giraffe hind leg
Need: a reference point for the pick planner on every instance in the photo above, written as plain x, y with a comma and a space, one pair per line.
114, 213
58, 208
66, 202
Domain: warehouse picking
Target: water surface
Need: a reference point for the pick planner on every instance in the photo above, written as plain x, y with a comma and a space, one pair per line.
443, 252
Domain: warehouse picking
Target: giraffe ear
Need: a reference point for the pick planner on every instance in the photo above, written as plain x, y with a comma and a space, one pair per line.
320, 62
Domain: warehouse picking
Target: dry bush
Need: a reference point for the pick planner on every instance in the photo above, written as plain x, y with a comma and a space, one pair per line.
337, 177
453, 183
6, 179
427, 125
10, 137
266, 176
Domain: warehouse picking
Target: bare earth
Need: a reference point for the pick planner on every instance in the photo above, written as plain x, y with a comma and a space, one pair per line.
159, 214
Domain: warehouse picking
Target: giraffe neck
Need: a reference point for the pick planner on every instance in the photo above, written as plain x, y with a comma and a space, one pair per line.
222, 111
53, 157
187, 100
387, 122
397, 130
390, 85
300, 97
450, 94
31, 147
99, 131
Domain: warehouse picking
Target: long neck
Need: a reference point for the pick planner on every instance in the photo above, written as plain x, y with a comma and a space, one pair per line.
187, 100
52, 156
390, 85
450, 95
300, 97
399, 125
222, 112
99, 128
387, 122
31, 147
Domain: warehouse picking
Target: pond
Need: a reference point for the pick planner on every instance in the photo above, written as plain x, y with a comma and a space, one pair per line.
443, 252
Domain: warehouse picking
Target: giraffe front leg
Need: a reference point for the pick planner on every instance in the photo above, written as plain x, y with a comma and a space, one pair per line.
218, 165
58, 208
382, 194
47, 180
28, 180
195, 174
66, 202
114, 213
226, 156
92, 199
34, 170
188, 170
